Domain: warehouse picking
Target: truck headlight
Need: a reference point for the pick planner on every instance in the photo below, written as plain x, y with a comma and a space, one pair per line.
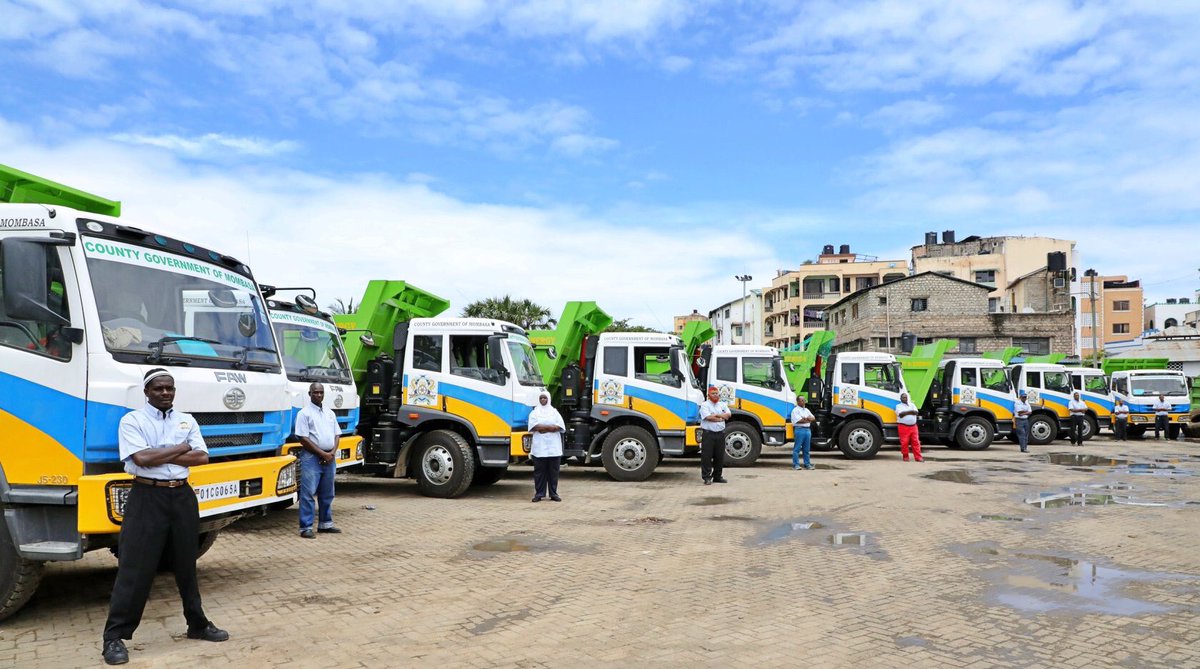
358, 453
285, 483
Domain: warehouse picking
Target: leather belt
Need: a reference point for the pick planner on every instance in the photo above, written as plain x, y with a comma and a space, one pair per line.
161, 483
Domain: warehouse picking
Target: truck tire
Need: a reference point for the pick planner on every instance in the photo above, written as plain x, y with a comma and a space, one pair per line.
743, 444
445, 464
860, 439
166, 562
1136, 431
485, 476
974, 433
1042, 429
19, 577
1090, 428
630, 453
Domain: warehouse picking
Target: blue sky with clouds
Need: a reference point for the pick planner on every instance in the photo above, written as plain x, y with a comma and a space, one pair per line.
635, 153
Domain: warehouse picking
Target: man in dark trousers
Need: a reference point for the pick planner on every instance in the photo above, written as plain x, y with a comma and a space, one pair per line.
158, 445
713, 415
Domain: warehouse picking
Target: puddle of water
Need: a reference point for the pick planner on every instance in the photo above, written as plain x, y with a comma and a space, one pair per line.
710, 501
501, 546
992, 516
1083, 460
1055, 500
742, 518
809, 532
1154, 469
1077, 585
787, 530
848, 539
952, 476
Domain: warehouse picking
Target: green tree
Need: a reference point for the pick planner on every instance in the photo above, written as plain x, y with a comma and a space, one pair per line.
623, 325
342, 307
526, 313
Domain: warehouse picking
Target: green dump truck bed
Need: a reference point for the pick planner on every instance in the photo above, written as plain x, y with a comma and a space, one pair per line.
384, 305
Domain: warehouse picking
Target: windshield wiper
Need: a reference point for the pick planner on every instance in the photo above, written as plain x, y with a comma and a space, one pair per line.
156, 348
243, 363
318, 373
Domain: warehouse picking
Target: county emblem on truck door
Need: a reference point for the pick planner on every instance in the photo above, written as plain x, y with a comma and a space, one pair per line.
422, 391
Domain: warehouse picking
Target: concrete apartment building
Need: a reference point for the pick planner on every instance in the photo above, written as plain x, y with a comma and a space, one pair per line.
737, 322
932, 306
1117, 308
681, 321
794, 305
1170, 313
992, 261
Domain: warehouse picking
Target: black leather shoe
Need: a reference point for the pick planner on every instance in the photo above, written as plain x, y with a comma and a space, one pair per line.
720, 479
115, 653
209, 633
329, 530
536, 499
555, 498
307, 534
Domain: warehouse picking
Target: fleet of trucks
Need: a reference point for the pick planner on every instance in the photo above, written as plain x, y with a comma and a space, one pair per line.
89, 305
1139, 383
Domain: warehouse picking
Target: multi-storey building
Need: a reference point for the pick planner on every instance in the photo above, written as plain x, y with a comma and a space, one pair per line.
1170, 313
794, 306
1116, 311
739, 321
681, 321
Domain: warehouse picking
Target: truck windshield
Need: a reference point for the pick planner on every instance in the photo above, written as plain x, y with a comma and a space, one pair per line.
311, 351
525, 364
1157, 385
164, 309
1057, 381
995, 379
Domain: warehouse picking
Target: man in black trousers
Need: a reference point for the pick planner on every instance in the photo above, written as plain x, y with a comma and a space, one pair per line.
158, 445
713, 415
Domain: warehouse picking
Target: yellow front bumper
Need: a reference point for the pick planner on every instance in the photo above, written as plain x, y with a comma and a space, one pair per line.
349, 450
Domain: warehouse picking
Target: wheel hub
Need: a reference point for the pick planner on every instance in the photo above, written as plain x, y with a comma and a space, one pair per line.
438, 465
975, 434
860, 440
737, 445
629, 454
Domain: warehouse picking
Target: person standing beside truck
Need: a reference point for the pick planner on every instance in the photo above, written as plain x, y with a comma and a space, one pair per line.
1021, 413
1120, 418
318, 431
1162, 417
802, 419
546, 424
906, 425
1078, 409
713, 414
158, 446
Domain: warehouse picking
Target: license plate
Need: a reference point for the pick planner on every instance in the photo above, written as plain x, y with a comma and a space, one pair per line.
213, 491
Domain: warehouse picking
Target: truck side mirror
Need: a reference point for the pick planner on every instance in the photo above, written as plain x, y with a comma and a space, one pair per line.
26, 284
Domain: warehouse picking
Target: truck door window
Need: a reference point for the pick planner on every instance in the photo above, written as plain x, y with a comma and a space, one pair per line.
616, 360
880, 375
427, 352
653, 364
34, 336
1033, 379
1058, 381
1096, 384
1120, 386
469, 359
727, 369
995, 379
759, 372
969, 376
850, 373
1077, 382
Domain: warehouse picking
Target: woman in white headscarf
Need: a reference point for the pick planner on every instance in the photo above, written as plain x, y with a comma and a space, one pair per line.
546, 424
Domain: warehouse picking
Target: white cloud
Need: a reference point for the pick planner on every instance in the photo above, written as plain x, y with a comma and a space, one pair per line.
675, 64
578, 145
907, 113
211, 145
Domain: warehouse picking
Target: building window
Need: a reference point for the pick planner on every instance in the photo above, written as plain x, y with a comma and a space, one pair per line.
833, 285
853, 311
966, 345
920, 303
985, 276
864, 282
1170, 323
726, 314
1120, 328
1032, 345
846, 285
1120, 305
883, 300
994, 305
737, 331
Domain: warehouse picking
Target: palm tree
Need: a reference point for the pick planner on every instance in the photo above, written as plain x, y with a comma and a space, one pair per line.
526, 313
340, 307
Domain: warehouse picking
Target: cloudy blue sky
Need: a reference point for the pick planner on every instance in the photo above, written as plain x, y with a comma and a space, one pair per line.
639, 153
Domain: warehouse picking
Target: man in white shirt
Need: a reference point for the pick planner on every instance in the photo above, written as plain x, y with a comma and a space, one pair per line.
906, 425
1162, 417
713, 414
158, 446
802, 419
1078, 409
317, 429
1021, 413
1120, 419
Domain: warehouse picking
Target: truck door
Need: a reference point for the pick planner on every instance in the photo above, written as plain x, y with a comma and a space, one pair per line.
44, 355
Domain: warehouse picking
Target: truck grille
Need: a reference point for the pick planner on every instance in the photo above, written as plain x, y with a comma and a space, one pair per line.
228, 418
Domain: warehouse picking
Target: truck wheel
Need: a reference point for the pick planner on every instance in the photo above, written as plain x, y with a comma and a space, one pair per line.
742, 444
629, 453
207, 539
19, 577
1090, 428
1042, 430
1136, 431
445, 465
860, 439
167, 562
974, 433
485, 476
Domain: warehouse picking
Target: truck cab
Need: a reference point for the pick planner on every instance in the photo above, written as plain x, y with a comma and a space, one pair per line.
1093, 387
1049, 390
855, 402
970, 402
1140, 388
89, 304
312, 352
752, 382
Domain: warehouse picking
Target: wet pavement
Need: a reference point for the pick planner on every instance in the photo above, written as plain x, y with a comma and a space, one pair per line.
1067, 557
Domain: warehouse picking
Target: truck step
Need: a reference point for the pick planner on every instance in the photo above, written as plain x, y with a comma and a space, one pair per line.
49, 550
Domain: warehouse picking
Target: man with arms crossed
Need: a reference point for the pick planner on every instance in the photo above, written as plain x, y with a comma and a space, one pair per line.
713, 414
906, 419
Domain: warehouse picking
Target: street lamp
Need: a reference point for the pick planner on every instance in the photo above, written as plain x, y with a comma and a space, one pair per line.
743, 278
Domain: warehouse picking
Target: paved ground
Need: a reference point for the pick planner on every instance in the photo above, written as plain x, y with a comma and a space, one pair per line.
869, 564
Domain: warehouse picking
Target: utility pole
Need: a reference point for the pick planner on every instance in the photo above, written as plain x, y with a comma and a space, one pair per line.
1091, 274
743, 278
